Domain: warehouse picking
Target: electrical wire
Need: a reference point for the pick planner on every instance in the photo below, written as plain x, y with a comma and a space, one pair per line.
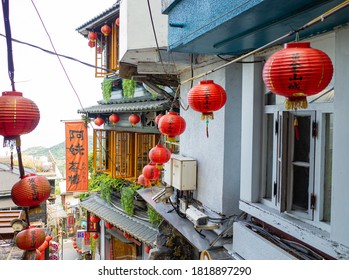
60, 61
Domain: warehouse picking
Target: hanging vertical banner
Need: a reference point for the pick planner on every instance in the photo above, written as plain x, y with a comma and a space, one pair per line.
76, 146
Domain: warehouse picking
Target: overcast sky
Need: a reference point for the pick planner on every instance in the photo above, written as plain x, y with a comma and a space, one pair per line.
39, 75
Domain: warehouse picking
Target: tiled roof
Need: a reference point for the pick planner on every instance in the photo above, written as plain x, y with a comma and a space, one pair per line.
131, 105
138, 228
101, 17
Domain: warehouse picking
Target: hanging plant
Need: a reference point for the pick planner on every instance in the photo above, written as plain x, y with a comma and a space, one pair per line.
107, 89
128, 88
154, 217
127, 200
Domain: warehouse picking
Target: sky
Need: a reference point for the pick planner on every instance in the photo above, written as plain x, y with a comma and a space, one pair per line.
39, 75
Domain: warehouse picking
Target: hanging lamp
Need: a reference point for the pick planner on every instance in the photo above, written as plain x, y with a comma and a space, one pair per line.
159, 155
134, 119
207, 97
172, 125
297, 71
105, 29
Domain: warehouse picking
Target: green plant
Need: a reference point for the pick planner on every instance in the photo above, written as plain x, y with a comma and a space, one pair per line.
128, 88
107, 89
127, 198
154, 217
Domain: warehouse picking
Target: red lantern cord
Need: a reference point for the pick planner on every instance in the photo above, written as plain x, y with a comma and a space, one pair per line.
296, 129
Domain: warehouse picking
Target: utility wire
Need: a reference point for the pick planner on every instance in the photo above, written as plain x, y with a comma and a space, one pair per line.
60, 61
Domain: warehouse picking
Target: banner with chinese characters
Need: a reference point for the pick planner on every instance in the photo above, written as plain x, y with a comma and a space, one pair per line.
76, 146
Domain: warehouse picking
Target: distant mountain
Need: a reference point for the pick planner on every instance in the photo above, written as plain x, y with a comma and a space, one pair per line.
57, 151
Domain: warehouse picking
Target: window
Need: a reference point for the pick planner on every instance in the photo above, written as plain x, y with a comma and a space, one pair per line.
122, 154
295, 142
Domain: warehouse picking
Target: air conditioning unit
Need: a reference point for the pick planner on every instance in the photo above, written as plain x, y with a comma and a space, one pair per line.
180, 172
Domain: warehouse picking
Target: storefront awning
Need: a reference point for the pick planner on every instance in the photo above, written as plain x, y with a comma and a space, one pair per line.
138, 228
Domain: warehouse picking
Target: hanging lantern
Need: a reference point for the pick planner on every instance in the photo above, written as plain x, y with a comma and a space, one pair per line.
297, 71
30, 239
157, 118
147, 249
171, 125
117, 21
31, 190
91, 44
99, 49
108, 225
143, 181
127, 235
105, 29
98, 121
151, 172
134, 119
92, 36
94, 219
95, 235
207, 97
18, 116
114, 118
159, 155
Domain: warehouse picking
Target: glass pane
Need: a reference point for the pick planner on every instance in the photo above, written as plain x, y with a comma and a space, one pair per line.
269, 158
302, 139
300, 196
328, 167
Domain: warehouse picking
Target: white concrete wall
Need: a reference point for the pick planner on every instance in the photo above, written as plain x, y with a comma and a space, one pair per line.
340, 186
135, 31
218, 155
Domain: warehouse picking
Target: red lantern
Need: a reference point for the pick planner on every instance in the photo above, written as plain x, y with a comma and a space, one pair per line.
114, 118
143, 181
151, 172
171, 125
108, 225
159, 155
18, 115
117, 21
31, 191
92, 36
105, 29
99, 121
30, 239
147, 249
158, 117
297, 71
95, 235
91, 44
207, 97
127, 235
134, 119
94, 219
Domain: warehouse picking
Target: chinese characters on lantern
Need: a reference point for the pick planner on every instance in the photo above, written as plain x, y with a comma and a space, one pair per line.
295, 80
76, 156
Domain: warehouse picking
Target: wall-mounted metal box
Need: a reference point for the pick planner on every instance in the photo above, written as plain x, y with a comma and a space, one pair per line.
180, 172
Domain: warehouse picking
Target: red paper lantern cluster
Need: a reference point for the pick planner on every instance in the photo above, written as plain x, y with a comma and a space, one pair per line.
114, 118
171, 125
134, 119
159, 155
98, 121
31, 190
18, 115
207, 97
105, 29
297, 71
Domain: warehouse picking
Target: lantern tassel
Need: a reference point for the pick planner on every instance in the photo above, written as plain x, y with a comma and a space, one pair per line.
207, 128
296, 102
296, 129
